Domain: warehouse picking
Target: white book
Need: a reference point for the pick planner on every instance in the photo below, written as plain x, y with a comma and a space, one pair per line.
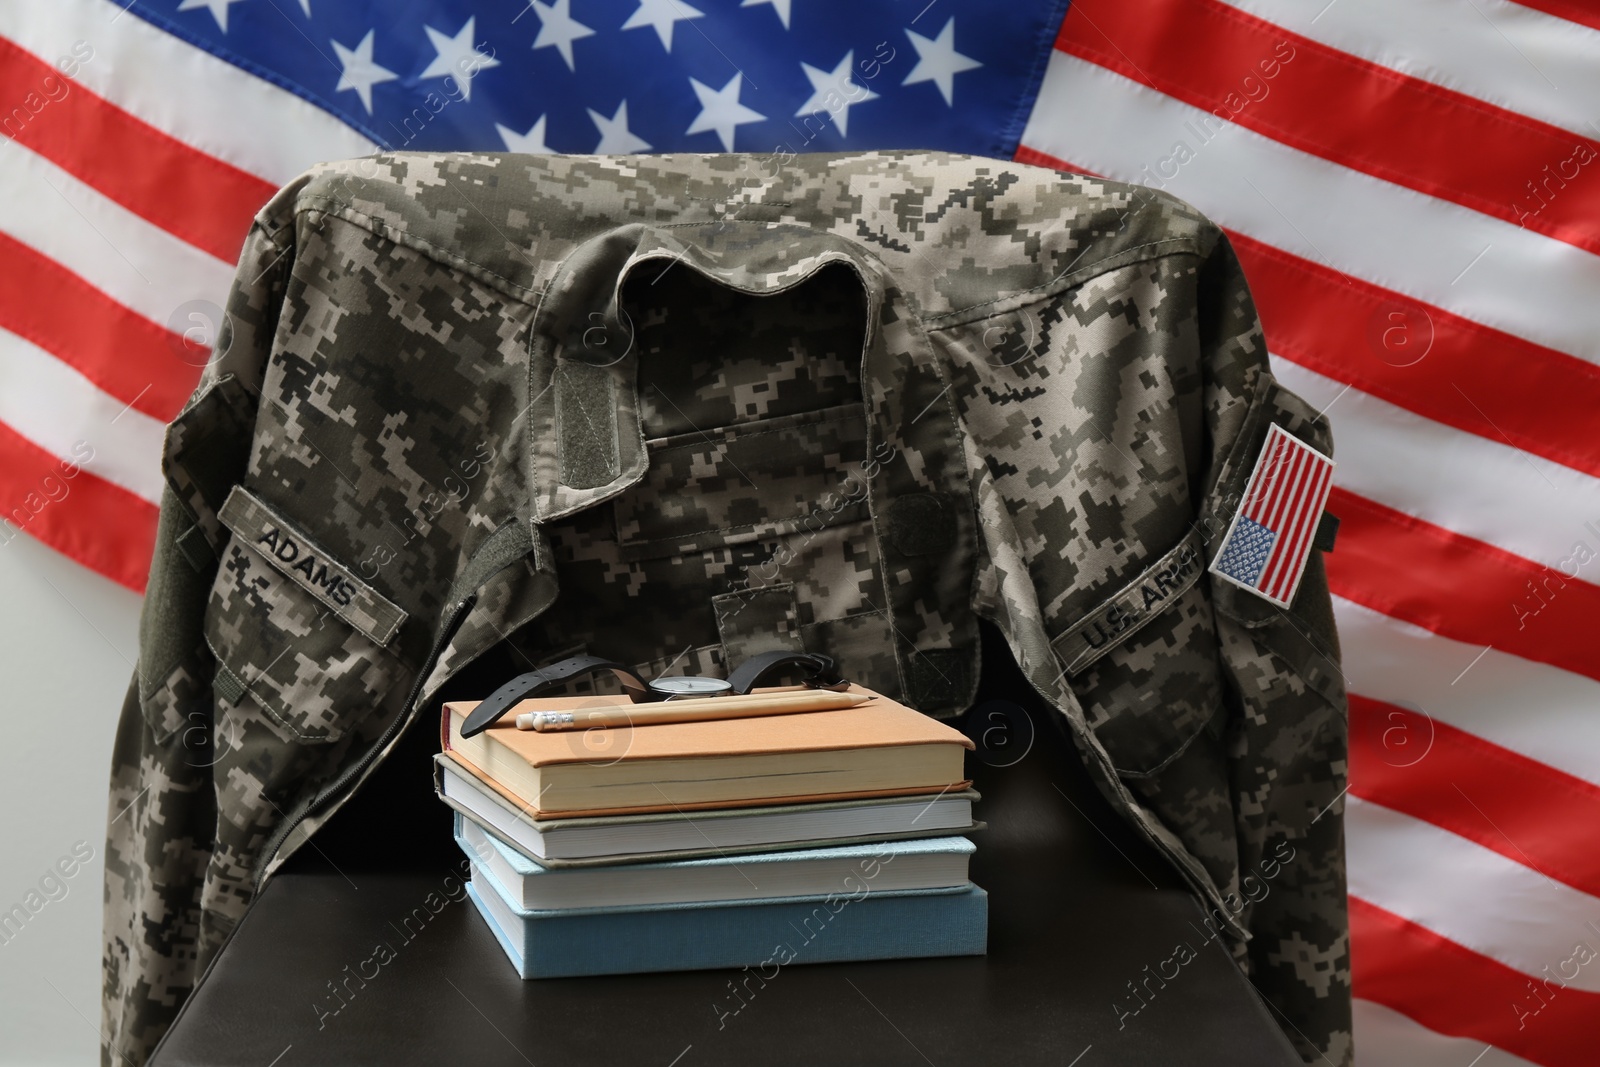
614, 839
877, 867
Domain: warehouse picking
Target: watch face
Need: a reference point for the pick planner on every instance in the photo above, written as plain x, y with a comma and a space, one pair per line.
690, 686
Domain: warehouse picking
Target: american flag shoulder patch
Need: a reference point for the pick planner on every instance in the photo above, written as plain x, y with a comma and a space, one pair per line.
1266, 547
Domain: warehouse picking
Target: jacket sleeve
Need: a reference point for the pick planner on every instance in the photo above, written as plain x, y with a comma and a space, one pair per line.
161, 819
1281, 728
1112, 447
1288, 740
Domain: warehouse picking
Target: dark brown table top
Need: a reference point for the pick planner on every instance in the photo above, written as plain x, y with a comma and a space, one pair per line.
1079, 907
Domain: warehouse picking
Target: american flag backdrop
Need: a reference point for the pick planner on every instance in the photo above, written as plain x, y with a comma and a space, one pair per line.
1413, 188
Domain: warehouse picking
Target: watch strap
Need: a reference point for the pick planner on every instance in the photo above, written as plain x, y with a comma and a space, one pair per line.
525, 685
820, 670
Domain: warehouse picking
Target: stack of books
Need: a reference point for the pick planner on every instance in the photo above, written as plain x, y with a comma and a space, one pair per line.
800, 838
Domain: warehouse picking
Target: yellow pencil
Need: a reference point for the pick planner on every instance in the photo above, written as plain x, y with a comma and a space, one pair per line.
728, 707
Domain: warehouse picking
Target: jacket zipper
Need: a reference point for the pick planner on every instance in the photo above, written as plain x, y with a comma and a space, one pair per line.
355, 770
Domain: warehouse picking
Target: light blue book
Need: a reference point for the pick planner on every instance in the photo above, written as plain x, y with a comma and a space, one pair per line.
884, 866
763, 935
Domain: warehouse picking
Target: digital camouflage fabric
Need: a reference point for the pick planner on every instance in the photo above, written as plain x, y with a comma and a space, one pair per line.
678, 410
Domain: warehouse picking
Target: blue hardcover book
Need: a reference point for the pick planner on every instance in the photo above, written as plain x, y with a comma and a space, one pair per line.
887, 866
866, 925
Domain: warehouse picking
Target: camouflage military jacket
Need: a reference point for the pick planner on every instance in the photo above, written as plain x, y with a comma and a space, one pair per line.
677, 410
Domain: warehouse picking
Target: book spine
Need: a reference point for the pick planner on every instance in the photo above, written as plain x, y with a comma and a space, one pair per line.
870, 927
513, 951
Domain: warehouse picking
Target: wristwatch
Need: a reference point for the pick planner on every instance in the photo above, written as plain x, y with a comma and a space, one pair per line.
820, 674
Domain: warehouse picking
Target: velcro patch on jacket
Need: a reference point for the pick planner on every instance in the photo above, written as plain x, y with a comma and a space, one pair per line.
305, 563
1267, 545
1132, 606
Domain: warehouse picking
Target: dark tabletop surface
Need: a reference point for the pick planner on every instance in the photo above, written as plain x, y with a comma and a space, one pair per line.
1079, 908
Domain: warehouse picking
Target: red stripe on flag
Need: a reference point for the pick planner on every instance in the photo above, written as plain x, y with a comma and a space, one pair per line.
1572, 10
101, 525
1035, 158
1323, 101
1477, 379
122, 352
1453, 990
1525, 810
1460, 587
1472, 377
194, 196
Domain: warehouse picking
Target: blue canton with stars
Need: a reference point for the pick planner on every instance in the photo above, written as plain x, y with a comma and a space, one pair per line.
618, 76
1245, 555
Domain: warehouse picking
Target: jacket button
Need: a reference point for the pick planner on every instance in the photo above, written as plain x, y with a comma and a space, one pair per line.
921, 524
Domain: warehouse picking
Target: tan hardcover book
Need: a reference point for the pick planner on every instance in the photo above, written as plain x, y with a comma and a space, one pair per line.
880, 748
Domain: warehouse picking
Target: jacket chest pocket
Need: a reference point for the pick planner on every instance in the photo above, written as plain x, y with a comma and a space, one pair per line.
763, 530
296, 629
784, 477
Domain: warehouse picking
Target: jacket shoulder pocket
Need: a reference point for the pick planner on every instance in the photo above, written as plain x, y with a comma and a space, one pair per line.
296, 628
1272, 406
1301, 635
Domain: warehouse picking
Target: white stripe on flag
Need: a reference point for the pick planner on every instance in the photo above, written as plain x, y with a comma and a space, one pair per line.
185, 91
1506, 54
1469, 894
1476, 486
60, 410
138, 264
1386, 1038
1478, 267
1536, 710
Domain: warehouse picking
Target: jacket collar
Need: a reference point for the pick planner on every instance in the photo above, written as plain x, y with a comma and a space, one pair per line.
586, 444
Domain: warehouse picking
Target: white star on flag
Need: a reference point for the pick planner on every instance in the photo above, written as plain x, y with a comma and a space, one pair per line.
721, 111
662, 15
531, 142
780, 6
939, 62
218, 9
558, 29
360, 72
834, 92
615, 139
457, 57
